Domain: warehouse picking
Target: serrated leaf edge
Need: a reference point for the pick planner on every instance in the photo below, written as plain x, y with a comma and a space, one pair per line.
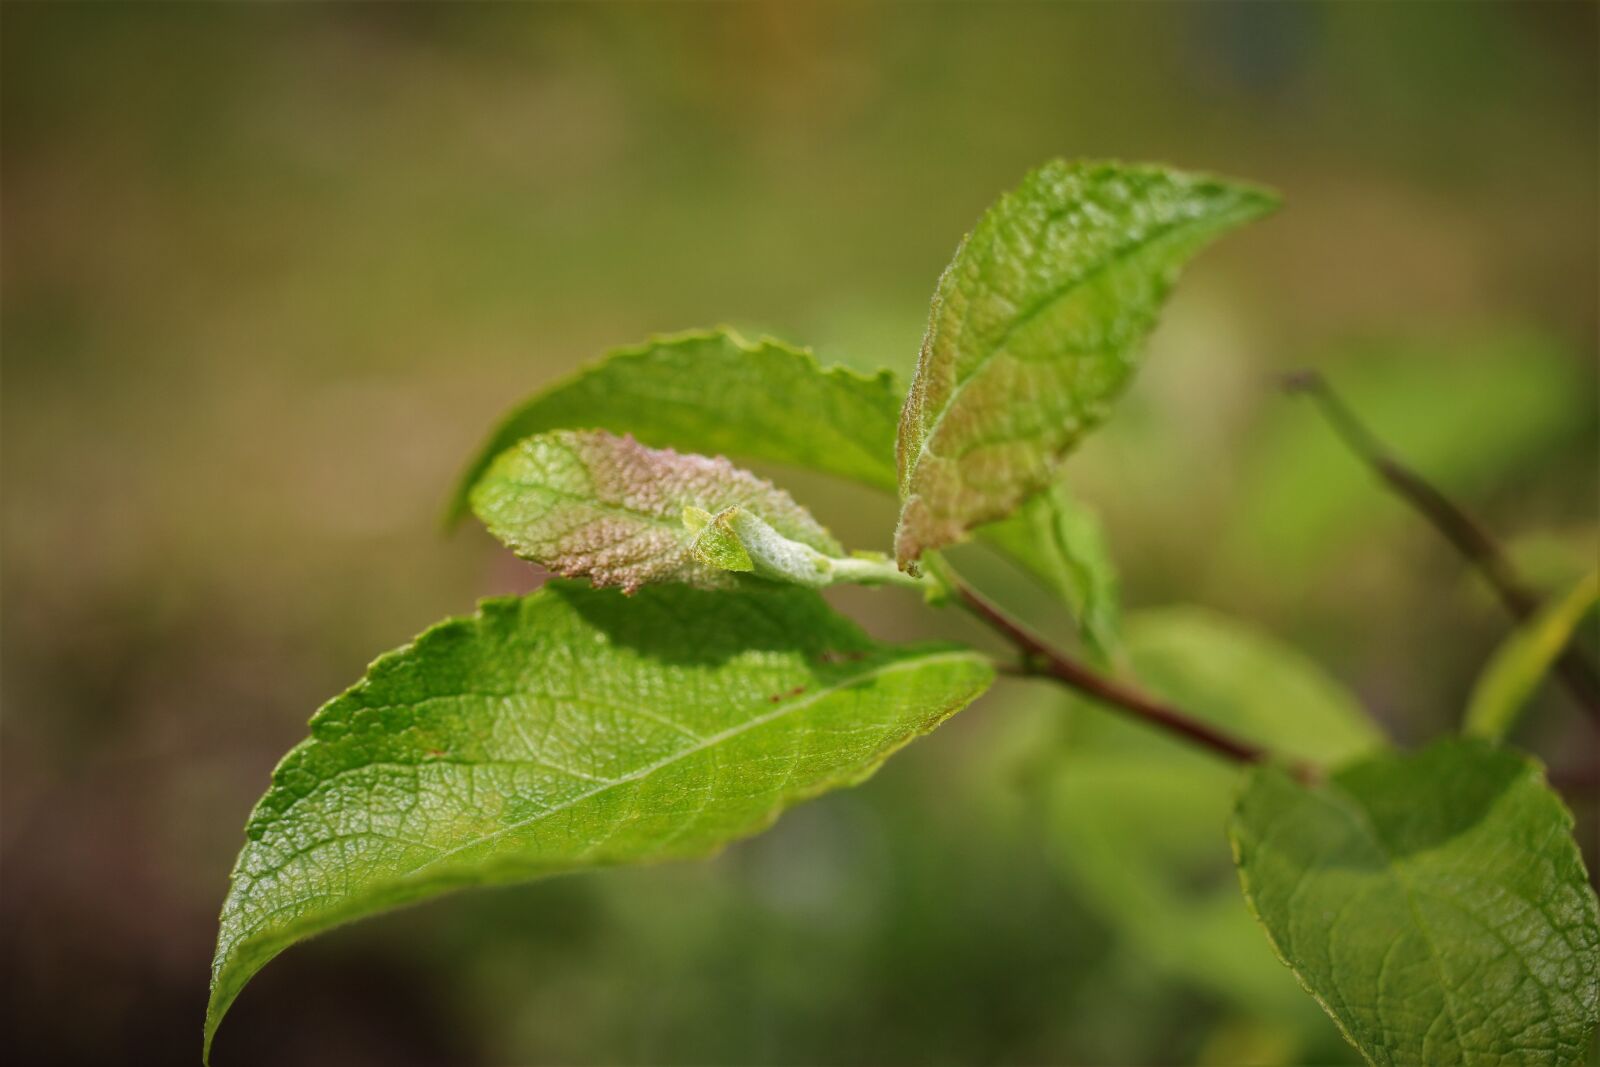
915, 656
1532, 766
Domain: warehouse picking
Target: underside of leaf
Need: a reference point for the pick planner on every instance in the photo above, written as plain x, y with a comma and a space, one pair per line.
588, 503
564, 730
1035, 329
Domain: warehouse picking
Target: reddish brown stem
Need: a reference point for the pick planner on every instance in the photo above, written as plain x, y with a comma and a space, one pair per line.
1042, 660
1455, 525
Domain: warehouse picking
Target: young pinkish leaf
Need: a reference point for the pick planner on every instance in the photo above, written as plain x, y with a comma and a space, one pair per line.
589, 503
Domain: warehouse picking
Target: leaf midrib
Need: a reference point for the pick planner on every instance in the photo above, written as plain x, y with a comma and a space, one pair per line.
701, 746
1116, 257
1352, 808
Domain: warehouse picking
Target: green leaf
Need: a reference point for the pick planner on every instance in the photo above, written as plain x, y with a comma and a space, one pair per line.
1035, 330
1141, 843
717, 543
1060, 541
713, 392
771, 402
1434, 904
1524, 658
570, 729
589, 503
1243, 679
1137, 818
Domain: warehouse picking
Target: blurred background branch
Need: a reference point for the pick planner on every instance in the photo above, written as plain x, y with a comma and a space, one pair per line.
1464, 532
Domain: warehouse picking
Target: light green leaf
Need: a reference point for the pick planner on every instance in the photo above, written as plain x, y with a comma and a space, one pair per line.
1434, 904
713, 392
1137, 819
1035, 330
586, 502
770, 402
716, 543
1060, 541
570, 729
1247, 681
1523, 659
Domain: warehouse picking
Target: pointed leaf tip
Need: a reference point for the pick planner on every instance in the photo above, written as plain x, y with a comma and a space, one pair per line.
1035, 330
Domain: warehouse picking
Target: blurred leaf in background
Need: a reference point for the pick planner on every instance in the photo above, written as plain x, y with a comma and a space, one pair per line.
1134, 816
1522, 661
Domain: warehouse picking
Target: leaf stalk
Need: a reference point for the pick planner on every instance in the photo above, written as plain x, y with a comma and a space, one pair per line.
1041, 660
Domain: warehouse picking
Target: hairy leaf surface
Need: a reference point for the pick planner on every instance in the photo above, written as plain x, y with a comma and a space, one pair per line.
589, 503
1060, 541
568, 729
713, 392
1034, 331
1435, 904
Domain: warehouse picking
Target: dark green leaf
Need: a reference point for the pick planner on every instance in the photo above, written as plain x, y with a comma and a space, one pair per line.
1435, 904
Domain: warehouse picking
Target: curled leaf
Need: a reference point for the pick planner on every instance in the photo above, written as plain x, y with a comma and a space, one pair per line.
588, 503
717, 544
737, 540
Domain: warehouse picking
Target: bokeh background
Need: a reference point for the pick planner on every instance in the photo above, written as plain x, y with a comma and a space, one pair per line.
270, 271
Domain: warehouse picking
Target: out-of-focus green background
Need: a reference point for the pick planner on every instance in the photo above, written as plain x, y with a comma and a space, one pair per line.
270, 271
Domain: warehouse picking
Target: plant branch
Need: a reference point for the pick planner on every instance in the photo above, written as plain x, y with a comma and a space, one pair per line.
1460, 529
1039, 659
